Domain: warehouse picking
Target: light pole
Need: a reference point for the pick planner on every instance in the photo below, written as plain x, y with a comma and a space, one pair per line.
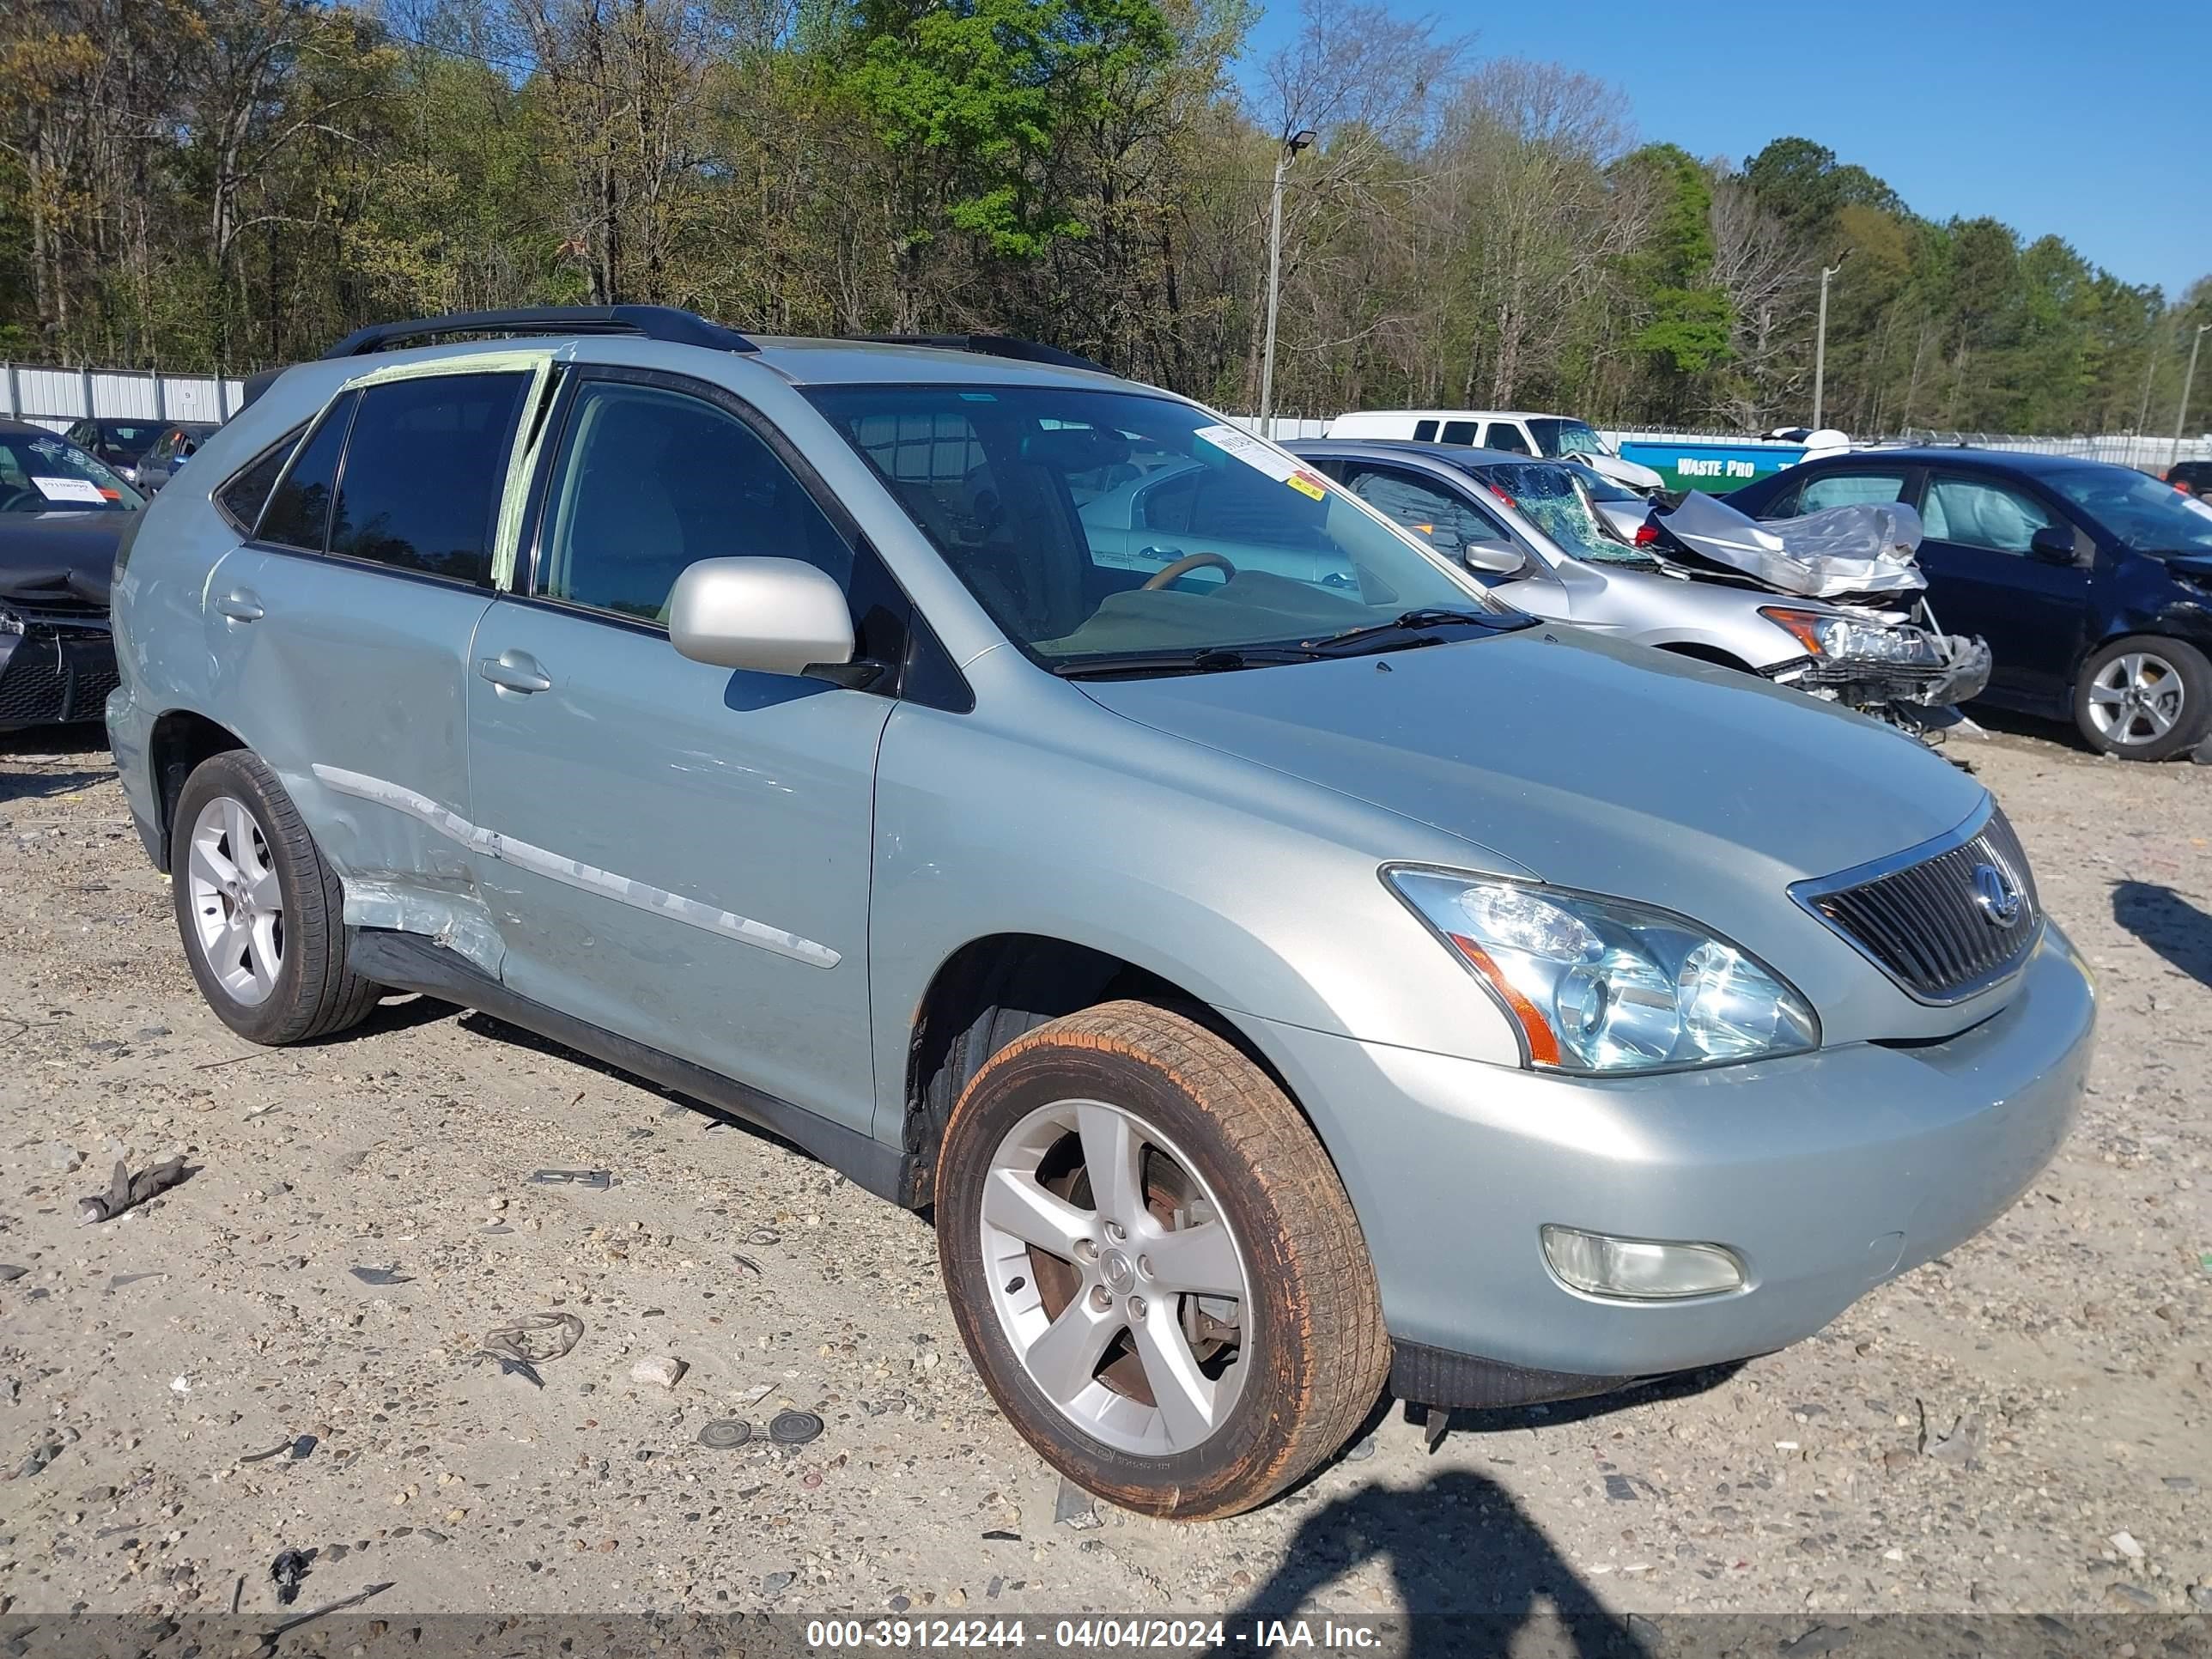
1291, 145
2181, 414
1820, 340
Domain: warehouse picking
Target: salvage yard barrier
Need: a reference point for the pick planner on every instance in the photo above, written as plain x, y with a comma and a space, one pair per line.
57, 397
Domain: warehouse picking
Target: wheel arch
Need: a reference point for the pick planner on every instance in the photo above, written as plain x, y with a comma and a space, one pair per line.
179, 741
996, 986
1700, 651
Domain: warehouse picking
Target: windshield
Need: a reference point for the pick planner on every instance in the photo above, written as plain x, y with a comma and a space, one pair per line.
128, 438
1093, 523
1555, 437
51, 475
2150, 516
1550, 498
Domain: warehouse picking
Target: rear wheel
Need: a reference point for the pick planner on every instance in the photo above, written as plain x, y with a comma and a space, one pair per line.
2145, 698
1154, 1264
260, 913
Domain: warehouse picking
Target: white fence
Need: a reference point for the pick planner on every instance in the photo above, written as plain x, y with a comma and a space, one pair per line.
56, 397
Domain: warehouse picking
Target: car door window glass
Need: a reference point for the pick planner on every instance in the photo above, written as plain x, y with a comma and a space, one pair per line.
423, 472
299, 508
653, 481
1974, 513
1460, 432
1848, 490
1425, 432
1424, 506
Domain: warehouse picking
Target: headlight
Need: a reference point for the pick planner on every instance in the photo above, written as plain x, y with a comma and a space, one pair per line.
1826, 635
1599, 985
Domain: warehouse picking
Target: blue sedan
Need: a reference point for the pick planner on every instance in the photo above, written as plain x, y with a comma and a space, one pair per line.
2091, 583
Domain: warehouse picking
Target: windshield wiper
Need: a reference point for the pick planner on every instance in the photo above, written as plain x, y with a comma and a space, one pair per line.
1412, 624
1212, 660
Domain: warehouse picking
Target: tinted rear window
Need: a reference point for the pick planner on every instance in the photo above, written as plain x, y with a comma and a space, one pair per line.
423, 472
301, 508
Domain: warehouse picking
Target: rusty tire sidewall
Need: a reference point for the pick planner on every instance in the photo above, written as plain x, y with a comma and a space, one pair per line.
1261, 1430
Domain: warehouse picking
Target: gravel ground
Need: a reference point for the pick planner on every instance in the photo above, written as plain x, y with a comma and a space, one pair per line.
184, 1393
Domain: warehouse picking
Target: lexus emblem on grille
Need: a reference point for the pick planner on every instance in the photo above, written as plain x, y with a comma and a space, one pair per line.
1997, 895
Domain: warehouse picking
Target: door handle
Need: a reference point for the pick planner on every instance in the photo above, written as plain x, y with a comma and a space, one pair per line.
240, 606
1160, 554
515, 670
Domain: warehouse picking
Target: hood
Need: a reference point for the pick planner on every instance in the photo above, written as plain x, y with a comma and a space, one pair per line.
1633, 474
1587, 762
59, 559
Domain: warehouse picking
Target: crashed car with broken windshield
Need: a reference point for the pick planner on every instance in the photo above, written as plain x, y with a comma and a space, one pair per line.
62, 512
1284, 973
1552, 538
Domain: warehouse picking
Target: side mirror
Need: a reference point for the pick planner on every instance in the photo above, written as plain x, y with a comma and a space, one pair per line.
2052, 544
771, 616
1498, 558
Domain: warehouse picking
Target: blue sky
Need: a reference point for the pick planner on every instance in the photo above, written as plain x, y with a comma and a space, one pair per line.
2093, 122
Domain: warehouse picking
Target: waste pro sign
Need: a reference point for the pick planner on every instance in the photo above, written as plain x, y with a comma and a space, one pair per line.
1715, 468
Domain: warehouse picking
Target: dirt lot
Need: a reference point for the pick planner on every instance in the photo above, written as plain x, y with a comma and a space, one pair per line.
2025, 1427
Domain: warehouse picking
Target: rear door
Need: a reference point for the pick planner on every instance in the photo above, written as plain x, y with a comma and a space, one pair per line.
341, 634
1982, 579
683, 851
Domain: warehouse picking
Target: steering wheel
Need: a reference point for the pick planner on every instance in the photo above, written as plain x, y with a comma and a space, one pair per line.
18, 496
1185, 565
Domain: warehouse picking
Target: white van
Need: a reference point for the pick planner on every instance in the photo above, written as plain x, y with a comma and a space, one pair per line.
1513, 431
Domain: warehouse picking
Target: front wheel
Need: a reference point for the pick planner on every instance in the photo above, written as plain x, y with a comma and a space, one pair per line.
1154, 1264
2144, 698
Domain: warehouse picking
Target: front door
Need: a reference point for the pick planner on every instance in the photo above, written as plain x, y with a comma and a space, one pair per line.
1983, 579
1429, 506
682, 851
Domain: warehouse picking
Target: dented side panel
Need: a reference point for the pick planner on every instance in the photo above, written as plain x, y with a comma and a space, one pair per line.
362, 670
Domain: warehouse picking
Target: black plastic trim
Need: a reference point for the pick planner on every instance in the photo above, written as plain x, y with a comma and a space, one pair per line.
1423, 1375
665, 323
408, 962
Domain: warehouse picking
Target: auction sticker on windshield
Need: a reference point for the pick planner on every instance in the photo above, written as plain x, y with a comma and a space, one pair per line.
70, 490
1261, 458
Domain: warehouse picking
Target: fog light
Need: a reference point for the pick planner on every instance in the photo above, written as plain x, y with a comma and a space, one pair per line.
1641, 1268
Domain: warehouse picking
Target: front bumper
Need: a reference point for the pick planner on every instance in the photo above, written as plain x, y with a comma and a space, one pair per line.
1826, 1173
55, 674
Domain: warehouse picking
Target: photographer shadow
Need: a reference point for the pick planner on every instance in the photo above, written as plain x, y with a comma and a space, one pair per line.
1472, 1570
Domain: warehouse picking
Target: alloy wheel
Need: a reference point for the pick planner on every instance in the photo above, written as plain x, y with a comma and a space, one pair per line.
2135, 699
237, 904
1115, 1278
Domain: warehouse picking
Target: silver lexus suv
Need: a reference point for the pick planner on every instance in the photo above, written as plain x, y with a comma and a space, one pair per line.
1285, 971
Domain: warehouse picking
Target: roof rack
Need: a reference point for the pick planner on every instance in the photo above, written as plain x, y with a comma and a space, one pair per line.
992, 345
651, 322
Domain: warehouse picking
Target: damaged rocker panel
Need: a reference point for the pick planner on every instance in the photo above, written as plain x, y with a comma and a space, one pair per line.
572, 872
407, 962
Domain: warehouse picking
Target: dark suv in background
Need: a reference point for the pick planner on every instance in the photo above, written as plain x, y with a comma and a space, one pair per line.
2091, 583
2194, 476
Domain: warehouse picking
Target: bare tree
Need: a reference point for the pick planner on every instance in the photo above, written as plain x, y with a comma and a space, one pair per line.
1765, 273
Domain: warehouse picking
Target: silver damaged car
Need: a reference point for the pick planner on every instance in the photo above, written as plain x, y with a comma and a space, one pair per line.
1284, 970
